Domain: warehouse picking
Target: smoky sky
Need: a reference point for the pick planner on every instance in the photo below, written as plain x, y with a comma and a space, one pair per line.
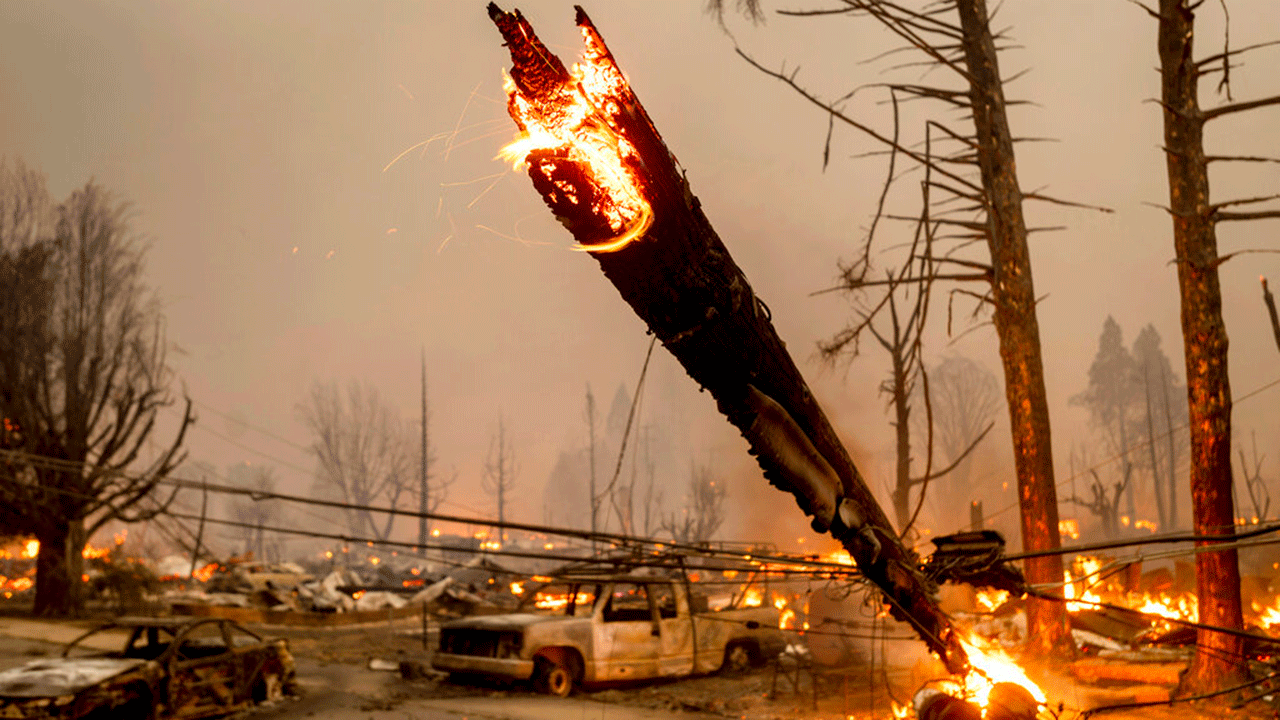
253, 141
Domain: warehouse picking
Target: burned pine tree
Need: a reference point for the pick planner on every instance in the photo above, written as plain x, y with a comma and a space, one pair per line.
972, 195
1219, 660
599, 163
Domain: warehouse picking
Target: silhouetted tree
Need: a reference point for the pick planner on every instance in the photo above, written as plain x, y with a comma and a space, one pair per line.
964, 398
1164, 410
703, 513
500, 472
254, 511
82, 377
363, 450
1112, 399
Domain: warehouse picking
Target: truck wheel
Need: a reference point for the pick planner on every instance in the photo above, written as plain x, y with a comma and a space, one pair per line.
552, 677
738, 658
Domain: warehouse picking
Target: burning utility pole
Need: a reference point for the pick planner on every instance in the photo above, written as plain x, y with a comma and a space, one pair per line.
599, 163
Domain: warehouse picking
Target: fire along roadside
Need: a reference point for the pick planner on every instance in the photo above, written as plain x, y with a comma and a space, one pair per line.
597, 160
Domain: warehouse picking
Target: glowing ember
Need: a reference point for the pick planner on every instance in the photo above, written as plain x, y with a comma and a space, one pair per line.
787, 620
558, 601
753, 598
1269, 616
989, 600
89, 552
517, 588
30, 548
203, 574
1069, 527
576, 124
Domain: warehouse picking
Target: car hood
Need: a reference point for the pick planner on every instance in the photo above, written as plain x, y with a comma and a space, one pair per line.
512, 621
61, 676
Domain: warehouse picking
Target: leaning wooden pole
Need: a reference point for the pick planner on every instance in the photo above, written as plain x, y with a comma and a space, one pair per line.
598, 162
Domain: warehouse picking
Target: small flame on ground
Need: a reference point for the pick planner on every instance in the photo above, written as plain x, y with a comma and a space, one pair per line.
203, 574
992, 665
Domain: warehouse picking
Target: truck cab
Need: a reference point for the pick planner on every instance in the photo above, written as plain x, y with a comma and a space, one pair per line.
607, 629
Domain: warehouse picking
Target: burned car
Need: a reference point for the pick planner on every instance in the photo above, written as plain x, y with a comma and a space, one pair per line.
607, 629
167, 667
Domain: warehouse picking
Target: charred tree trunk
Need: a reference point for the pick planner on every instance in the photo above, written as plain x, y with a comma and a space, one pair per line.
59, 565
1218, 661
1014, 298
1270, 301
677, 275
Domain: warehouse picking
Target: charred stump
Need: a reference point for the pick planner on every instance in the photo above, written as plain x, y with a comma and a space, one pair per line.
597, 160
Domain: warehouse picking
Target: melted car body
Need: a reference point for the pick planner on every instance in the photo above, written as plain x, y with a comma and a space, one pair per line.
167, 667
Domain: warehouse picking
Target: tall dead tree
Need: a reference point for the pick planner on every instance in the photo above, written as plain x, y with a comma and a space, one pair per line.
597, 160
500, 473
971, 178
1218, 661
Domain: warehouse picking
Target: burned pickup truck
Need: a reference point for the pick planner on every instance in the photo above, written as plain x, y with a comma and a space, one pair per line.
594, 630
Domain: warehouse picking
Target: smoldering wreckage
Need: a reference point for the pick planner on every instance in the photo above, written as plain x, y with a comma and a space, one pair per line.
593, 621
643, 609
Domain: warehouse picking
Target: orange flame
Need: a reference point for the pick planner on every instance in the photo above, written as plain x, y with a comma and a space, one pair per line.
992, 665
204, 573
1182, 607
990, 600
1270, 616
577, 123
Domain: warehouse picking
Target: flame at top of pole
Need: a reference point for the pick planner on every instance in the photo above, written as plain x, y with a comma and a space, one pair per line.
569, 134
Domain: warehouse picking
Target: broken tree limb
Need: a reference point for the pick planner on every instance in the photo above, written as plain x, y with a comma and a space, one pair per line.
598, 162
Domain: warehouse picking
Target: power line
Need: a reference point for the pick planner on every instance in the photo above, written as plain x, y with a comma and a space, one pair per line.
617, 538
1139, 445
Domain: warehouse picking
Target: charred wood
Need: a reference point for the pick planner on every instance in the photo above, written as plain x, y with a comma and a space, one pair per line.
678, 276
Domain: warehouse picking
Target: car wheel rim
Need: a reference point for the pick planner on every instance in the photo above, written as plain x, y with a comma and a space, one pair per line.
558, 682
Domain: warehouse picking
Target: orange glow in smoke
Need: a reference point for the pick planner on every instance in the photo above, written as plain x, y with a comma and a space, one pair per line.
577, 122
